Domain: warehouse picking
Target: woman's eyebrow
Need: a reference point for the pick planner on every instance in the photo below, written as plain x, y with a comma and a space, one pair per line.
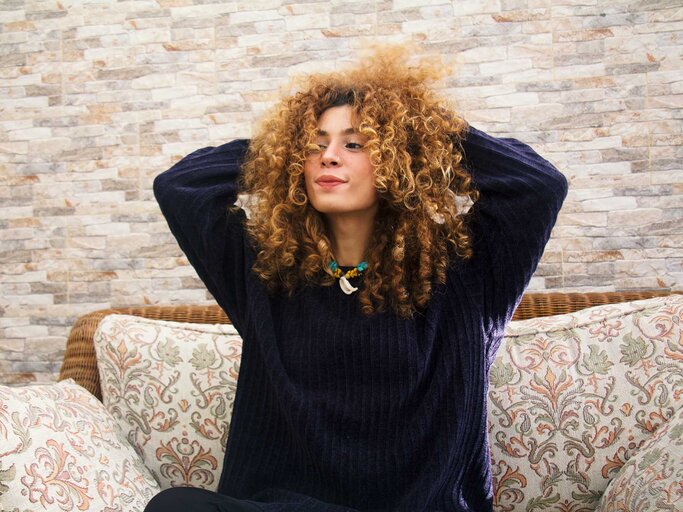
347, 131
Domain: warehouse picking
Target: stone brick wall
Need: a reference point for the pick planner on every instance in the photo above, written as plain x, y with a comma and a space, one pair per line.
97, 97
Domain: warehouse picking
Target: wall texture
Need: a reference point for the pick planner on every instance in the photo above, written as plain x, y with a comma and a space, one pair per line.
97, 97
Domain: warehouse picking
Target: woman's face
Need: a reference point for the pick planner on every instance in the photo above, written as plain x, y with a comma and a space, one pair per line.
340, 179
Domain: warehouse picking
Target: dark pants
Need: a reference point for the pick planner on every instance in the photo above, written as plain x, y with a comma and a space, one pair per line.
189, 499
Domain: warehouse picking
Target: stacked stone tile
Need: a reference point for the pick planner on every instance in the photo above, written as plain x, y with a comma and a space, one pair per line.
96, 98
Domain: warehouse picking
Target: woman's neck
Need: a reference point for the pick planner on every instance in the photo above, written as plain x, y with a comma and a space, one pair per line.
350, 237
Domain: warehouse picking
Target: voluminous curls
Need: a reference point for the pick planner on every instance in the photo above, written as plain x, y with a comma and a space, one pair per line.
414, 145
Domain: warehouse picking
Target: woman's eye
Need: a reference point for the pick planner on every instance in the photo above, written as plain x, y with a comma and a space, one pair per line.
354, 145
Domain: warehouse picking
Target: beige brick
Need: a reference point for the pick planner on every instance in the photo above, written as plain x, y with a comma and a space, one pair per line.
29, 300
512, 100
127, 243
12, 15
492, 115
465, 7
585, 219
481, 54
609, 168
12, 348
251, 16
153, 80
29, 133
108, 229
535, 114
47, 347
579, 71
205, 11
609, 204
505, 67
642, 216
245, 5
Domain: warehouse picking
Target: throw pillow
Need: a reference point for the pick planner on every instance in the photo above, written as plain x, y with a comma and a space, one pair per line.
61, 451
653, 478
171, 387
572, 397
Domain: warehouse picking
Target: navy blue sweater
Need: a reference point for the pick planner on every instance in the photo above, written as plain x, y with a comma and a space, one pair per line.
336, 410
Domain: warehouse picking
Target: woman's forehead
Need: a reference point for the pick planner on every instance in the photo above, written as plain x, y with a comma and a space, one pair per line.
341, 119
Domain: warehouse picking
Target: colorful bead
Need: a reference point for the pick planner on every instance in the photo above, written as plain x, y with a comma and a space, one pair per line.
354, 272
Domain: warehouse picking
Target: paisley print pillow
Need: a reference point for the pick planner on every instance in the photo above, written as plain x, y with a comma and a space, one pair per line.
60, 450
653, 478
171, 388
573, 397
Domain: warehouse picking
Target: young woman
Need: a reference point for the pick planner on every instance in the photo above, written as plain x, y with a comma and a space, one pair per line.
370, 296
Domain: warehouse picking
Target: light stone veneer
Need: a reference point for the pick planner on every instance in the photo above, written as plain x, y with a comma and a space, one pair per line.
96, 98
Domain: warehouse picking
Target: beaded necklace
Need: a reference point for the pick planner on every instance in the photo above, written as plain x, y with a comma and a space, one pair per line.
344, 277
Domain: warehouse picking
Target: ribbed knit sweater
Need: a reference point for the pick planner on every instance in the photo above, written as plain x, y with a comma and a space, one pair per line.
336, 410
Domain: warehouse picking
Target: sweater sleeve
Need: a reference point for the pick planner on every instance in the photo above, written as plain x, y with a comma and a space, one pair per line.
195, 195
520, 196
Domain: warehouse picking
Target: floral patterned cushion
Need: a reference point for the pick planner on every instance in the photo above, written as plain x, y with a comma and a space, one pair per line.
171, 387
653, 478
573, 397
60, 450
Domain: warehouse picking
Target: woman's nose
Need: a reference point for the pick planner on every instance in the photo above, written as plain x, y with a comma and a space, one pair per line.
330, 156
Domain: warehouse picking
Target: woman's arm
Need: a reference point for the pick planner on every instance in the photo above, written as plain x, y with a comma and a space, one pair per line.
520, 195
195, 195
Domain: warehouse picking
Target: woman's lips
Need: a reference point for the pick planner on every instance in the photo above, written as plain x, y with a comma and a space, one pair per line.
326, 181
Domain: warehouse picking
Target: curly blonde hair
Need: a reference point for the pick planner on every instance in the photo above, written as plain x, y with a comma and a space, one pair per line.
414, 144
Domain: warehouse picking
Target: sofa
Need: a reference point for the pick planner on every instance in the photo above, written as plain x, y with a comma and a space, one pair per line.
585, 408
